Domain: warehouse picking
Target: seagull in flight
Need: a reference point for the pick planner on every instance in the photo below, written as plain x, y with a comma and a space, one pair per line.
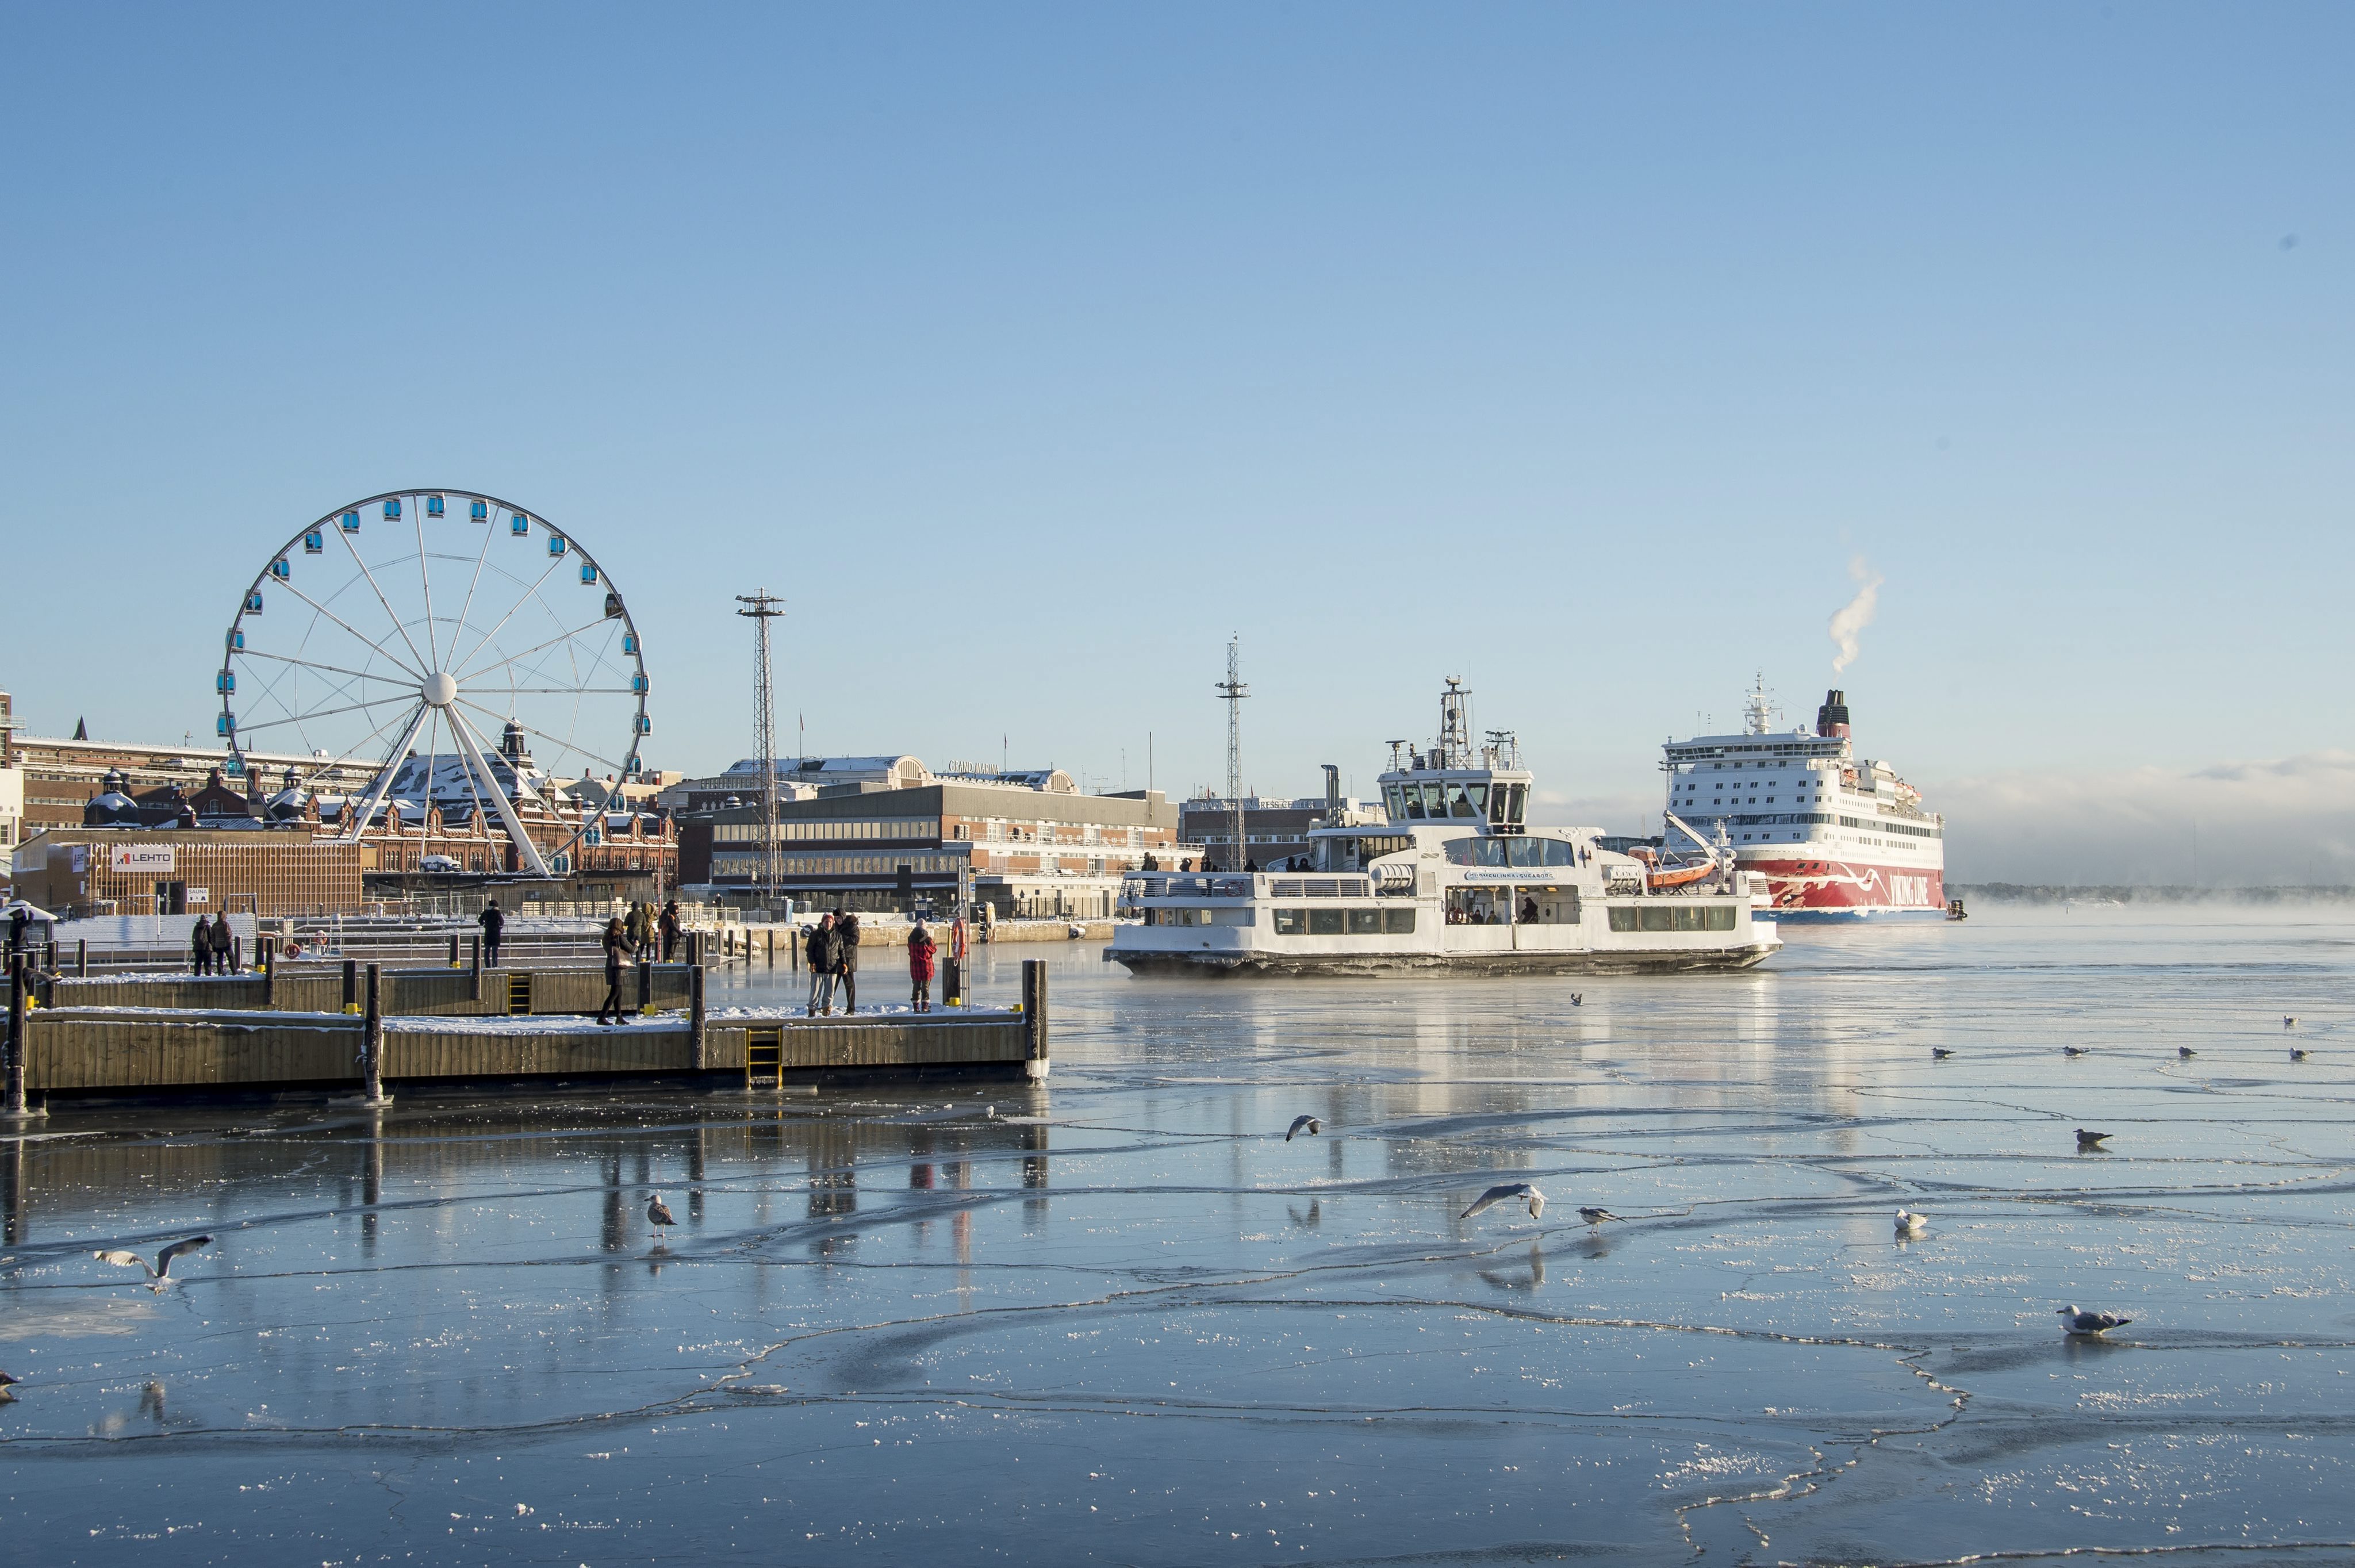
2088, 1323
8, 1389
1308, 1124
1506, 1194
1909, 1223
1594, 1216
1939, 1053
658, 1212
159, 1271
2090, 1140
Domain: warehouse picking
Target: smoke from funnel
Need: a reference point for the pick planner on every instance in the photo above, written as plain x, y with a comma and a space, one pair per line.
1851, 618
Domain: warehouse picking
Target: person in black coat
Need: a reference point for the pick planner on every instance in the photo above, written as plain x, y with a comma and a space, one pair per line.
494, 922
846, 959
200, 948
819, 951
617, 954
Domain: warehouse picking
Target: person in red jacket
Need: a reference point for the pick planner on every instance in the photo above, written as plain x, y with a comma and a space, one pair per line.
921, 948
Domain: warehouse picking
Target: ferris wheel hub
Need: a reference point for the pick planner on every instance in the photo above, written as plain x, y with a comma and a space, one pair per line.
439, 690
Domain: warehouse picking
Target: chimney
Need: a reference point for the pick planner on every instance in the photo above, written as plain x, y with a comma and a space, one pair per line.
1831, 718
1332, 788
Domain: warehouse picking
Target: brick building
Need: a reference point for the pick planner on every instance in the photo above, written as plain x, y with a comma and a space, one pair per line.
74, 871
1034, 844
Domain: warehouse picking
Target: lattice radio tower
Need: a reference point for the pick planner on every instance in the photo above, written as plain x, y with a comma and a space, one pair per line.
760, 609
1232, 691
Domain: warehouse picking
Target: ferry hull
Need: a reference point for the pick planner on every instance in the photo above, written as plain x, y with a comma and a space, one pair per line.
1141, 962
1811, 892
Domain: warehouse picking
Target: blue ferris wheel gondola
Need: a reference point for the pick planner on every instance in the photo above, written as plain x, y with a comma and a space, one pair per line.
314, 542
392, 511
518, 525
253, 603
614, 607
281, 569
226, 682
478, 511
351, 522
225, 724
433, 505
236, 640
556, 544
589, 573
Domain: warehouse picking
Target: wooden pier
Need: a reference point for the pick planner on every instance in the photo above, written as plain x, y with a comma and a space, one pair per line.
439, 1026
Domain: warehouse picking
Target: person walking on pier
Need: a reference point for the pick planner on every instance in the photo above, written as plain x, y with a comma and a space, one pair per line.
200, 948
819, 951
846, 959
668, 926
224, 942
635, 929
920, 949
494, 922
617, 954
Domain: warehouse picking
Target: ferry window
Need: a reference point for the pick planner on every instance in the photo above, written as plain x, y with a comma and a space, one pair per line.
1623, 920
1291, 921
1434, 800
1480, 793
1364, 922
1516, 800
1656, 918
1458, 806
1718, 917
1324, 922
1496, 803
1687, 919
1398, 921
1395, 799
1413, 795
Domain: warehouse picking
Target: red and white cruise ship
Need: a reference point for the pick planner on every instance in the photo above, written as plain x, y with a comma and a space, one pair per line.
1835, 836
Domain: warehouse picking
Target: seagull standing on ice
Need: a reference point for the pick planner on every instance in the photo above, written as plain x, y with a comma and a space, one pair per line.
658, 1212
8, 1392
2090, 1140
1507, 1194
1595, 1216
1309, 1124
1939, 1053
2298, 1053
2289, 1020
2185, 1053
2088, 1323
159, 1271
2073, 1051
1909, 1223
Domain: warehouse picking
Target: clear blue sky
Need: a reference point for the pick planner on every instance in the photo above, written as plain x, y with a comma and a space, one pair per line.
1028, 351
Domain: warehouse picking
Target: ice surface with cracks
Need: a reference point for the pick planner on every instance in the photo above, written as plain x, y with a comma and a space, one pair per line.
1119, 1322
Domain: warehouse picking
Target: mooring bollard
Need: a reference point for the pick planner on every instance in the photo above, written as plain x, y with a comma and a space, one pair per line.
81, 958
694, 1029
1034, 1015
16, 1111
351, 986
268, 956
645, 987
773, 948
453, 952
794, 948
372, 1041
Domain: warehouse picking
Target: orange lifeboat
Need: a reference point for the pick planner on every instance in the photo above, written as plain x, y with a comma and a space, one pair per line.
1667, 877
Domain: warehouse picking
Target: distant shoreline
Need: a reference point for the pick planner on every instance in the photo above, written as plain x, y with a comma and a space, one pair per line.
2033, 893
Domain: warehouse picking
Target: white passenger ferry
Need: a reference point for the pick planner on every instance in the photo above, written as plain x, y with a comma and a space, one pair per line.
1454, 878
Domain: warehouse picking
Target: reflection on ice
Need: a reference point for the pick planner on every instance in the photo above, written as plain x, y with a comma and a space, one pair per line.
1128, 1319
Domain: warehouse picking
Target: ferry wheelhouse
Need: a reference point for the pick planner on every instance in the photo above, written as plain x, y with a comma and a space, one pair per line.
1454, 879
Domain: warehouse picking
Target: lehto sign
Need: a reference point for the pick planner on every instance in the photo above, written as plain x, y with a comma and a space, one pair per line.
140, 860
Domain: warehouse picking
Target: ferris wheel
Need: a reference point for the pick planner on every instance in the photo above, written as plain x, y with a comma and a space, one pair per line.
470, 651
